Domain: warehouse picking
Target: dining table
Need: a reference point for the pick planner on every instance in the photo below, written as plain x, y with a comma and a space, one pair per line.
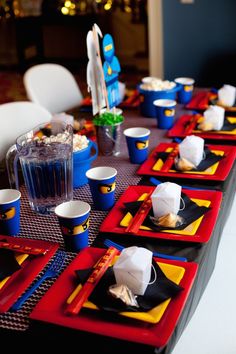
20, 327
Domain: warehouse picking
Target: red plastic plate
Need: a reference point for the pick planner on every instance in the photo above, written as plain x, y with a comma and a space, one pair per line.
51, 307
202, 99
220, 174
31, 267
178, 130
111, 223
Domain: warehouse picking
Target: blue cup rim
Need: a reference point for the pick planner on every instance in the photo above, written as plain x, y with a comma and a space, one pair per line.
189, 81
101, 177
143, 132
71, 205
163, 103
9, 196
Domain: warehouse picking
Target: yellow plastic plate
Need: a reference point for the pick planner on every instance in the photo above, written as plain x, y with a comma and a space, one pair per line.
172, 272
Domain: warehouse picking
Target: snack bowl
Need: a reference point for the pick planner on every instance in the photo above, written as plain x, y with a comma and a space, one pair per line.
147, 97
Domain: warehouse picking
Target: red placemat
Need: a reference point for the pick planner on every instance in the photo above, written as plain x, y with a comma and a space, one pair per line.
51, 307
111, 223
221, 173
30, 268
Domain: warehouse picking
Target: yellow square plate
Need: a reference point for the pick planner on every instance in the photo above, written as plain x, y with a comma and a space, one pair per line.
172, 272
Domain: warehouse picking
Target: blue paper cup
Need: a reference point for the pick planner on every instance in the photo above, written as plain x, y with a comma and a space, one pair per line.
9, 212
73, 218
137, 140
102, 186
165, 113
186, 89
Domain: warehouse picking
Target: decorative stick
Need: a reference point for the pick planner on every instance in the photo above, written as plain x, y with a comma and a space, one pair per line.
170, 159
140, 216
192, 124
76, 304
14, 246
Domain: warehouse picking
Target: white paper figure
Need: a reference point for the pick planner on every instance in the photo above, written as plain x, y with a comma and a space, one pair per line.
95, 76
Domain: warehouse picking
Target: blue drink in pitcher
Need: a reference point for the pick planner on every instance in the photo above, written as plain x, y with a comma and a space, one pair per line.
45, 154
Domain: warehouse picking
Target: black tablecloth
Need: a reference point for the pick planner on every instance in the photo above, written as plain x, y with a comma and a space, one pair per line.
203, 254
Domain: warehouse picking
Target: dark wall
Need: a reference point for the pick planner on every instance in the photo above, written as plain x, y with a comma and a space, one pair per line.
200, 41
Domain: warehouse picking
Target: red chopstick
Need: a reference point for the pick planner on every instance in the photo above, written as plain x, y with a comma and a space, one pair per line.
76, 304
170, 159
140, 216
192, 124
14, 246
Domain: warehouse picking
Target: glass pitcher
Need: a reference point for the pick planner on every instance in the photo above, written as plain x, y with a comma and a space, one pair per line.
45, 155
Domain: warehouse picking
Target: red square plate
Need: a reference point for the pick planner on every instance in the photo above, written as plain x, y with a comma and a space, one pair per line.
220, 174
30, 268
202, 99
202, 232
51, 307
178, 130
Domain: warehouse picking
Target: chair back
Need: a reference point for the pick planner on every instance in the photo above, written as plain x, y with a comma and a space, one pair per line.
53, 87
17, 118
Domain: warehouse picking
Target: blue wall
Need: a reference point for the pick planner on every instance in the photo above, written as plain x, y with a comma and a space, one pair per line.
200, 41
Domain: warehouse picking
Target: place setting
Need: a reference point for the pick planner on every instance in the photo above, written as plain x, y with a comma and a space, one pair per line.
189, 159
187, 215
93, 294
223, 97
21, 261
197, 124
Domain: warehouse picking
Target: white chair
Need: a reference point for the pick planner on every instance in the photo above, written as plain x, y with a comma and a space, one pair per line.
53, 87
17, 118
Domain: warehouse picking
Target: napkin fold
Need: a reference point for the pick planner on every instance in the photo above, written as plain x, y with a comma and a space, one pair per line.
210, 159
190, 213
8, 263
161, 290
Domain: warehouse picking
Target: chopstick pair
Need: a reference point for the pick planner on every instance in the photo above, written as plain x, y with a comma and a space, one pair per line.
192, 124
140, 216
17, 247
170, 159
80, 294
